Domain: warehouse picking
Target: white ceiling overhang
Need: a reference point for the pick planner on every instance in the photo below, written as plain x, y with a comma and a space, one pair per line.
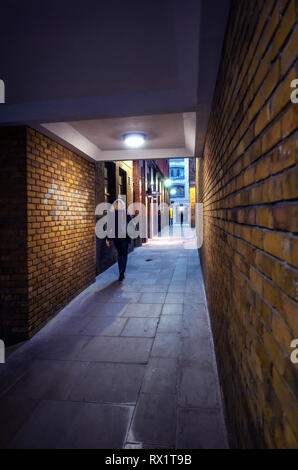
102, 139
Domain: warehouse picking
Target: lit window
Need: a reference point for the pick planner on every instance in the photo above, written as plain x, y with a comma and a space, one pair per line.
177, 173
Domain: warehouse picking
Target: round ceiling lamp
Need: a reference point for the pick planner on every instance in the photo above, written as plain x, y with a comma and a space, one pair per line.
134, 139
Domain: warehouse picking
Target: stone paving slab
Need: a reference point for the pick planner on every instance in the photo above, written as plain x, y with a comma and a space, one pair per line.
74, 425
161, 376
124, 365
14, 412
143, 310
176, 289
48, 379
140, 327
166, 345
67, 326
198, 352
109, 383
211, 421
148, 298
195, 327
14, 368
170, 324
116, 349
53, 346
154, 420
153, 288
107, 309
172, 309
104, 326
198, 388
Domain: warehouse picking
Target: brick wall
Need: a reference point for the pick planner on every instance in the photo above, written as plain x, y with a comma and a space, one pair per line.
13, 235
163, 165
48, 255
249, 178
61, 237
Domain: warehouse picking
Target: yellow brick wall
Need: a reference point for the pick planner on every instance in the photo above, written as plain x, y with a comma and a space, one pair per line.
248, 183
60, 230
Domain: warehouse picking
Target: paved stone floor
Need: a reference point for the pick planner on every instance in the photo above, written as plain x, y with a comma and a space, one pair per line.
124, 365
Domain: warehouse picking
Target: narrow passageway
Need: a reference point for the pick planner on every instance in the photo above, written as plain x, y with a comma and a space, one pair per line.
124, 365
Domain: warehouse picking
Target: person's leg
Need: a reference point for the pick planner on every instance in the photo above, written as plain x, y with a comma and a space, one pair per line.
119, 261
118, 249
123, 256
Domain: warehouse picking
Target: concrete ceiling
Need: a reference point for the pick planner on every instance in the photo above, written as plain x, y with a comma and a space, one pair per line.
83, 72
167, 136
162, 131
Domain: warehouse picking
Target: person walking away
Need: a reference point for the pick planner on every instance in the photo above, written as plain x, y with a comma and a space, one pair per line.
120, 236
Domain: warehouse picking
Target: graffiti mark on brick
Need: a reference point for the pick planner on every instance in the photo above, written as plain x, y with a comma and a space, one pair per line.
294, 355
294, 94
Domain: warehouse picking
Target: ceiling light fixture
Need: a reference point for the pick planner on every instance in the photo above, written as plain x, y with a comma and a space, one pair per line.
134, 139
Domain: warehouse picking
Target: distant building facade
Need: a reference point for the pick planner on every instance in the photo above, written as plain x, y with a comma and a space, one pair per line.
179, 192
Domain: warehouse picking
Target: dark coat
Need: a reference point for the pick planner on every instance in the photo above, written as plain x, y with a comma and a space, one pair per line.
118, 231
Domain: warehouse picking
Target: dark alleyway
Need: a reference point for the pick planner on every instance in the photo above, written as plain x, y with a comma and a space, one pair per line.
193, 103
123, 365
